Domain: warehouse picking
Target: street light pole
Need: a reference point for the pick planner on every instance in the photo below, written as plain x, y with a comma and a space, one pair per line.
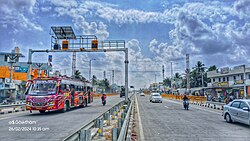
202, 81
171, 71
90, 69
155, 78
245, 90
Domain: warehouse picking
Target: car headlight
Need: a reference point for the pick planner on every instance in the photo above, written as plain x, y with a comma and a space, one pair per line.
52, 103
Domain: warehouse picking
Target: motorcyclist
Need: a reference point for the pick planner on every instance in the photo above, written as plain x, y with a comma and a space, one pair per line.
103, 99
185, 102
185, 98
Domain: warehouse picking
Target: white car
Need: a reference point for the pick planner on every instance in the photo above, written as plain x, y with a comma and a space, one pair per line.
237, 111
155, 97
142, 94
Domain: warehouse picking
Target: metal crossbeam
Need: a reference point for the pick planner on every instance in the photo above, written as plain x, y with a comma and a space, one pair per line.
115, 49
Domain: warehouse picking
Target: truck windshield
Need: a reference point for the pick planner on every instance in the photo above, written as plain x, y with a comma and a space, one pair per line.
43, 87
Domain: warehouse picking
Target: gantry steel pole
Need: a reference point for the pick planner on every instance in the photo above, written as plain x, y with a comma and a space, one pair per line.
126, 74
29, 63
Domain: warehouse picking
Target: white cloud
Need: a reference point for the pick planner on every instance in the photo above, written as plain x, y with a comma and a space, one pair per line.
15, 13
46, 9
242, 7
100, 29
64, 3
165, 52
94, 28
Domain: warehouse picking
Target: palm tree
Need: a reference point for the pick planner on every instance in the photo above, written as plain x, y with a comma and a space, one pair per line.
77, 74
167, 82
176, 79
197, 73
104, 84
177, 76
184, 78
199, 67
194, 79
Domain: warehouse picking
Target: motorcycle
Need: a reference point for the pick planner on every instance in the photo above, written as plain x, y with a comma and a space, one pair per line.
103, 102
186, 104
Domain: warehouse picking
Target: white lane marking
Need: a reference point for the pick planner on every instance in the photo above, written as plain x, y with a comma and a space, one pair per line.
139, 120
166, 106
194, 107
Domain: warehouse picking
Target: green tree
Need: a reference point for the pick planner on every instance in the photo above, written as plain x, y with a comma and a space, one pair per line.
199, 67
176, 79
197, 73
104, 84
79, 76
184, 78
212, 68
167, 82
177, 76
94, 80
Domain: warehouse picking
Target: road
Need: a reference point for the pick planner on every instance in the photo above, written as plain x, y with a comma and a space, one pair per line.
55, 125
169, 121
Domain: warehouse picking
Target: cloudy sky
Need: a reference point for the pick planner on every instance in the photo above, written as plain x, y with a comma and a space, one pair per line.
216, 32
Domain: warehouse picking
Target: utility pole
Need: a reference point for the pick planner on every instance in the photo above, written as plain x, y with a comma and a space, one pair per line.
155, 78
74, 64
171, 70
187, 69
113, 76
202, 81
163, 73
245, 90
104, 75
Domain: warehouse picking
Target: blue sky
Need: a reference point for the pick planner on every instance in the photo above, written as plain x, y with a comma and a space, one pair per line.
216, 32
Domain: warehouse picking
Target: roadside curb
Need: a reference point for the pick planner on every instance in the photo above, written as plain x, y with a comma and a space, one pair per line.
208, 105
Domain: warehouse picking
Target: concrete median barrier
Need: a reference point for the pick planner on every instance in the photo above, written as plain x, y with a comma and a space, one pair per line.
196, 100
108, 95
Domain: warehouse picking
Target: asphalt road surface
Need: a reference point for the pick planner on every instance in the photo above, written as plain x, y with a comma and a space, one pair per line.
169, 121
51, 125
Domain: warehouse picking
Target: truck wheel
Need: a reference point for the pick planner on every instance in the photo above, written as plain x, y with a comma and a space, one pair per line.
68, 105
85, 103
81, 103
64, 108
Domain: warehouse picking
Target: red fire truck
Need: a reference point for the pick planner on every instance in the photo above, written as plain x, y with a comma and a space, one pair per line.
57, 93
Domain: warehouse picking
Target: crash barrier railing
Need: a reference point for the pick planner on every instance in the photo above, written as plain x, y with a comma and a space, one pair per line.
131, 134
90, 130
124, 129
13, 107
201, 99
